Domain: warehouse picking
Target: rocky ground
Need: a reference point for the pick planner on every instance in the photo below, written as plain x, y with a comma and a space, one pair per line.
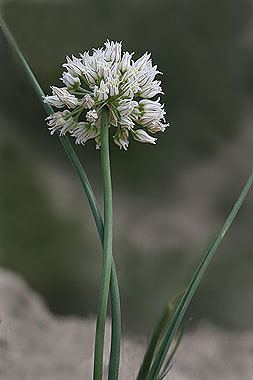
35, 345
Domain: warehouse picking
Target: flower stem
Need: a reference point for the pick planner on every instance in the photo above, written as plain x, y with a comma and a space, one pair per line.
107, 247
114, 288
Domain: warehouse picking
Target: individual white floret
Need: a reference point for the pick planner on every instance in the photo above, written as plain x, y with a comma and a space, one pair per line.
125, 63
64, 95
147, 76
74, 66
151, 89
84, 132
86, 59
151, 111
70, 80
143, 137
113, 86
88, 101
53, 101
61, 122
121, 138
101, 92
91, 76
156, 126
112, 51
92, 116
126, 107
142, 61
126, 122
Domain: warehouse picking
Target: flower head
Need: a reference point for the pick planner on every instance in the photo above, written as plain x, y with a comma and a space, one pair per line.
109, 78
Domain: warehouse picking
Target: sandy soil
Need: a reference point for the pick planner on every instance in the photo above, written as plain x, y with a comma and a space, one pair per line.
35, 345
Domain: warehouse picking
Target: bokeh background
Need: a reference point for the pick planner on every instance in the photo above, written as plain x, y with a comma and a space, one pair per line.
169, 199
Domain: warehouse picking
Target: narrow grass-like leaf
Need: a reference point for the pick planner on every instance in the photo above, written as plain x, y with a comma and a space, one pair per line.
193, 285
35, 84
168, 364
157, 337
78, 167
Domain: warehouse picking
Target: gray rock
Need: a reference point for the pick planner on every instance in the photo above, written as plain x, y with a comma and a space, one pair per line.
37, 345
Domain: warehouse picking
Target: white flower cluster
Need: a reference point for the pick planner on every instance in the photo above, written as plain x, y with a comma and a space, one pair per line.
108, 77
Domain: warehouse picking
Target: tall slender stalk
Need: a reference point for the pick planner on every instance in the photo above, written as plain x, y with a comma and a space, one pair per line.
114, 362
114, 288
107, 257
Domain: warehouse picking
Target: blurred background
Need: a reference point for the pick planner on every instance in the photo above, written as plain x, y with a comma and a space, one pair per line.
169, 200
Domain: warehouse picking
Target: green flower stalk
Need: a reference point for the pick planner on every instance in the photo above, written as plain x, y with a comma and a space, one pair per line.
107, 257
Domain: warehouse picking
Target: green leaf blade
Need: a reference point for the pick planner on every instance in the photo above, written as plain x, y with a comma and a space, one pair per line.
194, 284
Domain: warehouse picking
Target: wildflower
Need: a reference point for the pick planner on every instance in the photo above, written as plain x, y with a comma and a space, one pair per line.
108, 77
